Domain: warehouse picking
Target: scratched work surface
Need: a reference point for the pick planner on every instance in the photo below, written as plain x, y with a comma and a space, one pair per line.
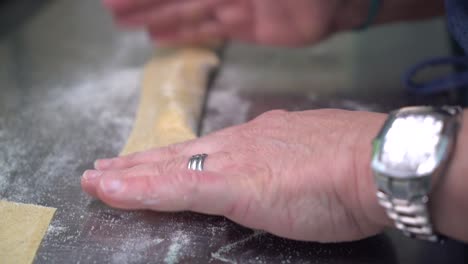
68, 94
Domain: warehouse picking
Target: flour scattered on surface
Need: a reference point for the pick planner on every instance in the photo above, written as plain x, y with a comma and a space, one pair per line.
56, 230
55, 140
68, 127
225, 108
135, 250
179, 244
223, 251
100, 99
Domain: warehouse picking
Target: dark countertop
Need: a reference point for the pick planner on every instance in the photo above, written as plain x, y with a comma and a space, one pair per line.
68, 94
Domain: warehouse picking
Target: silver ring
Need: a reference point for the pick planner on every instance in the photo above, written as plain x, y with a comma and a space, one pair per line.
196, 162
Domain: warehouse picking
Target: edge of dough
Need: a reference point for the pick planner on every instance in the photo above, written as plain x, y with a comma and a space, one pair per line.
22, 228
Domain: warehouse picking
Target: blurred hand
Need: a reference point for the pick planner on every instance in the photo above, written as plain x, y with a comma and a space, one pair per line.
281, 22
299, 175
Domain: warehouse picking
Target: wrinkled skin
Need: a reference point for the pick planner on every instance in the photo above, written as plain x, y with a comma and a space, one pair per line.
300, 175
284, 23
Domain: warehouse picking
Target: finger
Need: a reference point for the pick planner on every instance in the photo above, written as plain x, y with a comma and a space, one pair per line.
120, 7
184, 35
168, 15
236, 19
89, 181
233, 13
219, 162
208, 31
272, 23
144, 163
208, 144
170, 186
159, 36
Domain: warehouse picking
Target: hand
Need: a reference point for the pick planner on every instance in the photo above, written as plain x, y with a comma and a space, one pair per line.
282, 23
299, 175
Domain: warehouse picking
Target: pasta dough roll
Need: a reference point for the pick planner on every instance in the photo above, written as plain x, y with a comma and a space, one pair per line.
173, 89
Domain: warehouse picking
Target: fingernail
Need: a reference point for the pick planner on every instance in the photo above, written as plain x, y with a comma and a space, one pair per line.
112, 186
90, 175
102, 164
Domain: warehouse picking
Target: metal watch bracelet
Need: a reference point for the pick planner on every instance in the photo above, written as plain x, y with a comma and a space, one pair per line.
412, 218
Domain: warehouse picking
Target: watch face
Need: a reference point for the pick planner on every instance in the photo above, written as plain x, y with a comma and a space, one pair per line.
410, 146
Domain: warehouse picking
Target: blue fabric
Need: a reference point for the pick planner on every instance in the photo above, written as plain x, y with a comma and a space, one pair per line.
445, 83
457, 21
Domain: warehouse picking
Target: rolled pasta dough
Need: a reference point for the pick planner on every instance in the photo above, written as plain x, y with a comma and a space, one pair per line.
171, 101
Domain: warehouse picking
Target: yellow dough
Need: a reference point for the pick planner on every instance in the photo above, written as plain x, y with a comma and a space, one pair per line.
173, 89
22, 227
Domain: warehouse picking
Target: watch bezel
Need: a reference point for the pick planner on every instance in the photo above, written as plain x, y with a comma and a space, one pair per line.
444, 146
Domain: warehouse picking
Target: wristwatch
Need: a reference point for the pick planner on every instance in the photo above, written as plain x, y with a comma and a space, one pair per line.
410, 155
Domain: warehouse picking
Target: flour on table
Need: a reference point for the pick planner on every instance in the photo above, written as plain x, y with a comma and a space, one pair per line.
221, 253
134, 250
179, 244
225, 107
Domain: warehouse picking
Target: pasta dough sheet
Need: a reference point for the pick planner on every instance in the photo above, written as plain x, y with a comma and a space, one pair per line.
22, 227
172, 94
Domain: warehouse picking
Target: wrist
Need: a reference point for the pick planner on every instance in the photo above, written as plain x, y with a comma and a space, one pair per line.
448, 206
448, 200
370, 208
